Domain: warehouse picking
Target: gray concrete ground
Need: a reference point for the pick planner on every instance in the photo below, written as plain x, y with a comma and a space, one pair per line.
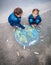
11, 53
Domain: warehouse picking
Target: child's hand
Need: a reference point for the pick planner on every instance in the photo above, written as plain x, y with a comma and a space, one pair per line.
34, 25
15, 27
25, 28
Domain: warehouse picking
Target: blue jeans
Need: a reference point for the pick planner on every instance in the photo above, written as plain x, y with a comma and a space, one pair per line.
35, 22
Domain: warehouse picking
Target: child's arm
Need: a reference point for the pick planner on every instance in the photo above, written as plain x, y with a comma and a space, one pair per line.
21, 26
38, 20
30, 20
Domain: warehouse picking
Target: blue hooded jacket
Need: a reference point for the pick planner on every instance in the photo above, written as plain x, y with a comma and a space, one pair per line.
14, 20
32, 20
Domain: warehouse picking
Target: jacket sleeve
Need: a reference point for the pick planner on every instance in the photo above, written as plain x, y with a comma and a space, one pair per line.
30, 20
38, 20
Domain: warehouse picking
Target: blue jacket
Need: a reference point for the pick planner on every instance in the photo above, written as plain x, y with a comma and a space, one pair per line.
14, 20
31, 19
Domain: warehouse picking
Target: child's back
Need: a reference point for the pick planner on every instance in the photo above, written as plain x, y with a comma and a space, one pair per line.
15, 18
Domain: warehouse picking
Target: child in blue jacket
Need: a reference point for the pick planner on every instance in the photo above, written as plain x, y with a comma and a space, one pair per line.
34, 19
15, 18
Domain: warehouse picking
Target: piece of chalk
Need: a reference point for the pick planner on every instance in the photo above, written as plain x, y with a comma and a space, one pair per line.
41, 36
24, 47
36, 53
7, 40
42, 40
18, 53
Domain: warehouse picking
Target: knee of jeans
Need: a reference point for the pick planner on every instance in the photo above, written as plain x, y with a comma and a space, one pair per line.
37, 21
30, 20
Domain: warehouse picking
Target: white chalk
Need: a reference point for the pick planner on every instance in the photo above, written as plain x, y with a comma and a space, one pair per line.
18, 53
42, 40
7, 40
41, 36
36, 53
38, 30
31, 43
24, 47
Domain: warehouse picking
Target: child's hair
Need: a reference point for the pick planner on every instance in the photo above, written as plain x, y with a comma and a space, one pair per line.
18, 11
35, 10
